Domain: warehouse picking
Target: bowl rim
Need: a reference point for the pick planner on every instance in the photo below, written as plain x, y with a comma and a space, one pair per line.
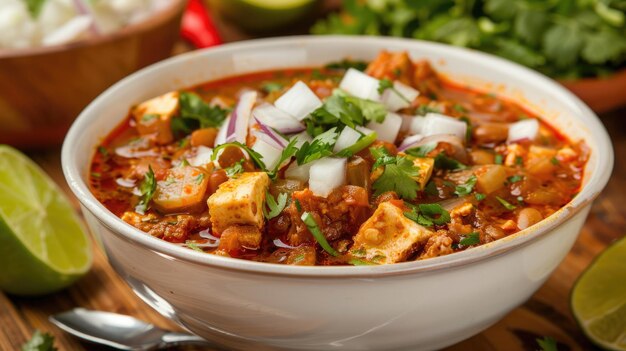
156, 19
588, 193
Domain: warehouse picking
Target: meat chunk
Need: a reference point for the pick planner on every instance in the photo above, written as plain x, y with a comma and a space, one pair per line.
393, 66
239, 201
170, 228
388, 236
182, 189
437, 245
155, 115
238, 237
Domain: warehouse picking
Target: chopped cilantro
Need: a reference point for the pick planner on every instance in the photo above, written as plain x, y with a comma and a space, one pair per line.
470, 239
271, 87
466, 188
358, 146
385, 84
459, 108
444, 162
289, 151
422, 150
148, 117
103, 151
255, 156
190, 244
514, 179
96, 174
547, 344
554, 161
340, 109
40, 342
422, 110
320, 146
519, 160
468, 131
310, 223
480, 196
345, 64
298, 205
195, 113
506, 204
498, 159
427, 214
236, 169
360, 262
147, 189
275, 207
397, 176
431, 189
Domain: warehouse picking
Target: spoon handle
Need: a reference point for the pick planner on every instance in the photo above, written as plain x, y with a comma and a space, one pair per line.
172, 339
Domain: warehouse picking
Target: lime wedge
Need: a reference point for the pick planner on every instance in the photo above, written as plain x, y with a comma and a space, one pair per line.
43, 245
264, 15
599, 298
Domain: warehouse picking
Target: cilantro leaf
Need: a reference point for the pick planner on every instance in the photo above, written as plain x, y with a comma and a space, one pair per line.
444, 162
422, 150
275, 207
506, 204
470, 239
361, 144
397, 177
236, 169
427, 214
562, 44
311, 225
320, 146
271, 87
382, 157
384, 84
547, 344
288, 152
195, 113
346, 64
147, 189
255, 156
40, 342
190, 244
465, 188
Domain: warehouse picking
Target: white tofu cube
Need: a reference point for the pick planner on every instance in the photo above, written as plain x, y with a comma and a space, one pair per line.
388, 236
239, 201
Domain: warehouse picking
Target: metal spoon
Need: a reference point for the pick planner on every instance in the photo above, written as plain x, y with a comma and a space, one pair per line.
121, 331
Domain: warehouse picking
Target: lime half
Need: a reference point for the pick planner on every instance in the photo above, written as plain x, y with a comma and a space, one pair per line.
264, 15
599, 298
43, 246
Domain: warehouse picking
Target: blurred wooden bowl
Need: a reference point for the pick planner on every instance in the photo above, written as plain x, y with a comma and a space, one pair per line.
43, 89
601, 94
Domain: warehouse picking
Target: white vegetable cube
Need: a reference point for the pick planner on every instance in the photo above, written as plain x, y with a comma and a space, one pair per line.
270, 152
327, 174
276, 118
387, 130
426, 166
399, 97
239, 201
302, 138
299, 101
155, 115
299, 172
347, 137
359, 84
183, 188
388, 236
526, 129
435, 123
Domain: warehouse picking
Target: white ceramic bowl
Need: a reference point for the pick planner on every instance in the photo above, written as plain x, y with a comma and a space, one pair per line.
418, 305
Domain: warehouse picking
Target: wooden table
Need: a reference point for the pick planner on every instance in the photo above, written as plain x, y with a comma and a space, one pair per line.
545, 314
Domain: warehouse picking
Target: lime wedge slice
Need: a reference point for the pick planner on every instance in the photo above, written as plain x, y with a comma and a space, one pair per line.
43, 245
264, 15
599, 298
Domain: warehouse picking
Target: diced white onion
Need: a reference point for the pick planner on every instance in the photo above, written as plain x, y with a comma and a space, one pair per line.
395, 102
203, 156
302, 138
237, 127
72, 30
347, 137
276, 118
360, 85
300, 173
415, 125
271, 153
435, 123
327, 174
389, 129
526, 129
126, 183
410, 141
298, 101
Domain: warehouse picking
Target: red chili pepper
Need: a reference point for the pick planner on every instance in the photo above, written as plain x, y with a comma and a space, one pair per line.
198, 27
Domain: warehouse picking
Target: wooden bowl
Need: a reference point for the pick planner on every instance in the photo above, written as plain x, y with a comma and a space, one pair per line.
43, 89
601, 94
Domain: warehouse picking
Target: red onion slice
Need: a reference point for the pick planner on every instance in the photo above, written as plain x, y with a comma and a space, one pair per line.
276, 118
280, 141
279, 243
410, 142
237, 127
